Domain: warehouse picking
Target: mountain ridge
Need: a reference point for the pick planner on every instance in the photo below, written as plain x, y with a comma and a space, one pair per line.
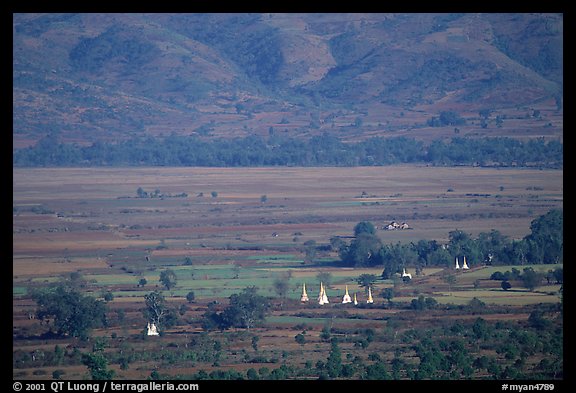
112, 77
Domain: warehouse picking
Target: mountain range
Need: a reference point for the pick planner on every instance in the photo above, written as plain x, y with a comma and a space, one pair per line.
111, 77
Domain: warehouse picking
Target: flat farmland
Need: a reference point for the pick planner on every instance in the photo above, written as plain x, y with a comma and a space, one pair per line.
224, 229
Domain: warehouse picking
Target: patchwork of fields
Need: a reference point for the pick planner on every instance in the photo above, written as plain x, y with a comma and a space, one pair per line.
224, 229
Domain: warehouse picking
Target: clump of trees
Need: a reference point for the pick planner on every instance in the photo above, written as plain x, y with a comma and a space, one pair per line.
71, 313
245, 310
544, 245
528, 277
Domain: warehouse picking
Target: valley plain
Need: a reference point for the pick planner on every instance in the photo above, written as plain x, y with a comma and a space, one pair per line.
224, 229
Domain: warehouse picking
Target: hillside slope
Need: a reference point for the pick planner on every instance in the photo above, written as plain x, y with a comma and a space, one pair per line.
108, 77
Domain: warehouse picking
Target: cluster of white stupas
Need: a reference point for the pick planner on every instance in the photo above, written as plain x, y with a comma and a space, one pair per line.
152, 331
323, 298
464, 264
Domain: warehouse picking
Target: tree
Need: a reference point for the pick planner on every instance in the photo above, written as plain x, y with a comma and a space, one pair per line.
73, 314
190, 297
363, 251
168, 278
255, 340
388, 294
366, 281
334, 362
97, 366
325, 278
364, 227
377, 371
558, 275
546, 240
300, 338
281, 285
245, 310
157, 311
395, 256
310, 249
141, 193
506, 285
531, 279
450, 280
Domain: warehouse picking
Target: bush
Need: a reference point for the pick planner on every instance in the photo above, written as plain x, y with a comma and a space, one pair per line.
300, 338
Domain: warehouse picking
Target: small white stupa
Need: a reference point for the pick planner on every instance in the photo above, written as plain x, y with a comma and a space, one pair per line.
465, 265
370, 300
457, 265
346, 298
304, 297
404, 274
355, 300
152, 331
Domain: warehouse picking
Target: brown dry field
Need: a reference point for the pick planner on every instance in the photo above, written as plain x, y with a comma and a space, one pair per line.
91, 221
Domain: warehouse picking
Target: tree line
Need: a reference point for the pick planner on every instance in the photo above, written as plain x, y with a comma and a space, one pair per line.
545, 244
275, 150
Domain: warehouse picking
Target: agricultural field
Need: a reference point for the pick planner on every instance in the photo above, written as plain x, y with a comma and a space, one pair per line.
221, 230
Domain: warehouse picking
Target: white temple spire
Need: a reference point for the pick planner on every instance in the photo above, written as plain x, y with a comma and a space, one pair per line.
465, 265
324, 296
370, 300
304, 297
457, 265
346, 298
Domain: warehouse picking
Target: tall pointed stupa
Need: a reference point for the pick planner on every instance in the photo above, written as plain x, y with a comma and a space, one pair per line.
346, 298
370, 300
465, 265
321, 295
304, 297
324, 296
355, 300
457, 265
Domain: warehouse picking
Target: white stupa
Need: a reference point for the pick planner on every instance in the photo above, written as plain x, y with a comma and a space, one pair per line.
457, 265
322, 298
304, 297
465, 265
355, 300
346, 298
152, 331
370, 300
404, 274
